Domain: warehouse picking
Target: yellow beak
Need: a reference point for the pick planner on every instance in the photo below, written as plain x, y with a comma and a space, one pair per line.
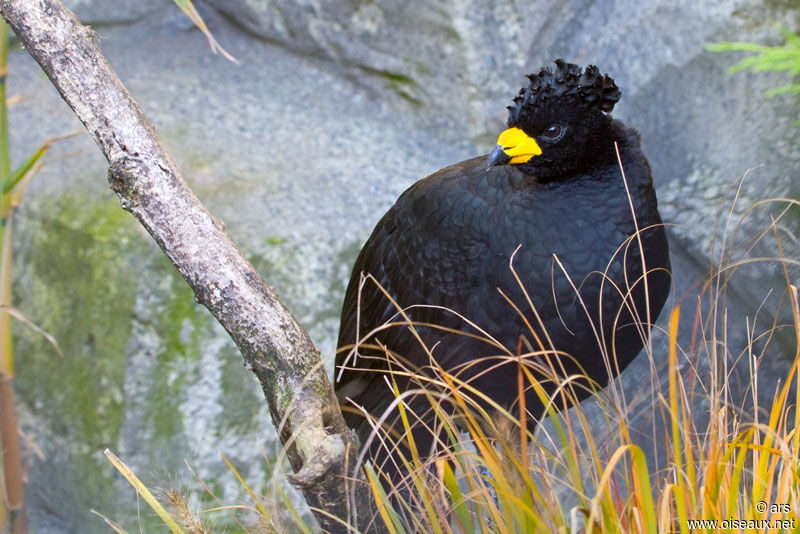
513, 146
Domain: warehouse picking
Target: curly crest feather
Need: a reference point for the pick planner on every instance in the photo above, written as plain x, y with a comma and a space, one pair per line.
568, 79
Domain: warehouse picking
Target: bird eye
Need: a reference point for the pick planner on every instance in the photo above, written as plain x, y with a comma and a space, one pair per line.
553, 132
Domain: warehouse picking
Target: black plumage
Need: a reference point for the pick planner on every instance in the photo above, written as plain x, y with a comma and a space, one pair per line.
449, 239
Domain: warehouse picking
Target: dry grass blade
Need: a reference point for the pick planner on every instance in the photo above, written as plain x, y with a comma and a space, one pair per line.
33, 326
142, 490
114, 526
188, 8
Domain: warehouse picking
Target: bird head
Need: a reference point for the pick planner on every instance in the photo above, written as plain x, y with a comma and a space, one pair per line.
558, 124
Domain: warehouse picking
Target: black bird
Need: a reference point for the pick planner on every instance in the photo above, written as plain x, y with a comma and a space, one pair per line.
552, 191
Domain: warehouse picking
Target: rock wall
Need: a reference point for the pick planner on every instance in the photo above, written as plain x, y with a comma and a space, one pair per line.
334, 109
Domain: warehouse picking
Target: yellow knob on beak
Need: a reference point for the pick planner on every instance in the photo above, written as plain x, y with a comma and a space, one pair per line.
513, 146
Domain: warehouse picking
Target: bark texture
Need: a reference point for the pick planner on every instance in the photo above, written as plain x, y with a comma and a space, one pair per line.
275, 347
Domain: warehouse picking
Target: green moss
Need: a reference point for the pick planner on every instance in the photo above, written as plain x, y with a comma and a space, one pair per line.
88, 275
183, 329
73, 277
275, 240
401, 84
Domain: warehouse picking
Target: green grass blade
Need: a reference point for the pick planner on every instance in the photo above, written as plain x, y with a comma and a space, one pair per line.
459, 504
642, 476
385, 509
20, 172
780, 58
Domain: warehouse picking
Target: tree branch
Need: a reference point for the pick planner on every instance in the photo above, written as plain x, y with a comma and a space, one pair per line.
275, 347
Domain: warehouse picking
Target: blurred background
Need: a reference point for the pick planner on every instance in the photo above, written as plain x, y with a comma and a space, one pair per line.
335, 107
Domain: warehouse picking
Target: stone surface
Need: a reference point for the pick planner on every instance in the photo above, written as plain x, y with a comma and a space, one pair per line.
334, 109
454, 57
102, 12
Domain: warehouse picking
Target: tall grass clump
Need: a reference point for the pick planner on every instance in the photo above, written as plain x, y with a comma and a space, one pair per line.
721, 460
